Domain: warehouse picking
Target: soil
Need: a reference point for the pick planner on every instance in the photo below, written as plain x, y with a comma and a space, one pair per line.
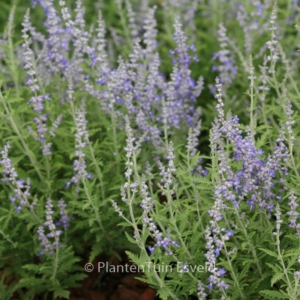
116, 284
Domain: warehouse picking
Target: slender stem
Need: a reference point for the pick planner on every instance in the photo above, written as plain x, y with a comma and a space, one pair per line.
248, 239
296, 289
115, 140
8, 239
292, 158
125, 26
252, 125
26, 148
173, 221
216, 12
197, 200
48, 168
140, 242
283, 266
55, 264
11, 54
296, 90
263, 111
87, 193
98, 171
232, 272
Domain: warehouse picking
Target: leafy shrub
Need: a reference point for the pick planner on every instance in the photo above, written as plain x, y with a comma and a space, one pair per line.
152, 130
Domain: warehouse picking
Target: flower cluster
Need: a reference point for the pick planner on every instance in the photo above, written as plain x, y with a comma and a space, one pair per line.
160, 241
147, 205
50, 242
137, 85
211, 256
82, 141
201, 291
293, 214
133, 69
255, 180
272, 44
167, 174
35, 83
64, 217
227, 69
21, 188
253, 183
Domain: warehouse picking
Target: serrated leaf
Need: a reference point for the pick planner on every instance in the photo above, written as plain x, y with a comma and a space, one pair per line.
130, 239
293, 252
276, 278
163, 294
133, 257
32, 267
97, 248
272, 295
269, 252
62, 293
274, 267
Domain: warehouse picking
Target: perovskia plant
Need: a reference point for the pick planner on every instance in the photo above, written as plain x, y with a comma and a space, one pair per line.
147, 128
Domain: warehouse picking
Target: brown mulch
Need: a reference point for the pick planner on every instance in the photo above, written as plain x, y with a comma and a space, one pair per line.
106, 285
113, 285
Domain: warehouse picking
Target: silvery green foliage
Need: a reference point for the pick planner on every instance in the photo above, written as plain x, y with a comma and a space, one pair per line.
179, 118
221, 228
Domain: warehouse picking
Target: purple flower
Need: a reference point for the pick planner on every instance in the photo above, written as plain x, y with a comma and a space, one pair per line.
221, 272
292, 213
64, 218
201, 291
21, 190
151, 249
50, 241
217, 252
227, 68
185, 268
229, 232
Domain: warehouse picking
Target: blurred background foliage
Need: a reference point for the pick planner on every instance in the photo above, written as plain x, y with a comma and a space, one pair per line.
202, 32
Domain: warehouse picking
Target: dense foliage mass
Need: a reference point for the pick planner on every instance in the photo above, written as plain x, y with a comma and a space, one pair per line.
166, 128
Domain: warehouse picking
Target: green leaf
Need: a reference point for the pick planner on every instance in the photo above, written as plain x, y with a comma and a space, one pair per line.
275, 268
293, 252
32, 267
97, 248
269, 252
134, 258
163, 294
62, 293
272, 295
124, 224
130, 239
276, 278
